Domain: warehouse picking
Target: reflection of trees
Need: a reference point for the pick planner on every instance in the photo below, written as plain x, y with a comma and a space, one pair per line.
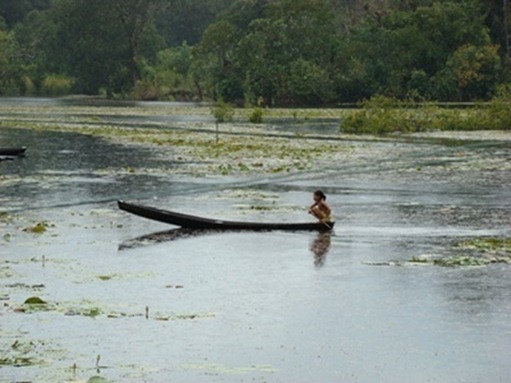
320, 247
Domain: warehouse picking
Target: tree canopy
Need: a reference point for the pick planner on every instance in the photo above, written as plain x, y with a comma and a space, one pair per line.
256, 52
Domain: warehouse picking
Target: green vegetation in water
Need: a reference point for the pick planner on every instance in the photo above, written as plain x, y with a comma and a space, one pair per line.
488, 244
477, 252
39, 227
247, 151
5, 217
380, 115
256, 117
262, 208
17, 361
23, 354
97, 379
34, 304
223, 112
34, 301
461, 260
416, 259
93, 312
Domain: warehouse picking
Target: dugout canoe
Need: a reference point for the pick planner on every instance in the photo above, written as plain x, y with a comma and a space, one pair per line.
194, 222
12, 151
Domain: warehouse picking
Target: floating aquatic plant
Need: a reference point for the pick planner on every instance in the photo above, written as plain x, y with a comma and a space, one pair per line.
17, 361
97, 379
34, 301
459, 261
5, 217
34, 304
39, 227
490, 244
93, 312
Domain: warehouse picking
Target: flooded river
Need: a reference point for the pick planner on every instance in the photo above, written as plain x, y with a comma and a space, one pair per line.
400, 291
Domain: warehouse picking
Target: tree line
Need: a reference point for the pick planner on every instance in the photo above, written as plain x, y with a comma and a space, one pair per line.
256, 52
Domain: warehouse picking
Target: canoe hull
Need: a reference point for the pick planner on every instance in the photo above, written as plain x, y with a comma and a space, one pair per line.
12, 151
194, 222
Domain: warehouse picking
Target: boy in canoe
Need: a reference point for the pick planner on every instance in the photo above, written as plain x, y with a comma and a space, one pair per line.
320, 208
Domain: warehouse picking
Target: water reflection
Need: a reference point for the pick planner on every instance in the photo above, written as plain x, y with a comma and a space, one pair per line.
320, 247
163, 236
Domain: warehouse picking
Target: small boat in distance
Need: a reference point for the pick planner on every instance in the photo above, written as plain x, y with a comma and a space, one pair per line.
194, 222
12, 151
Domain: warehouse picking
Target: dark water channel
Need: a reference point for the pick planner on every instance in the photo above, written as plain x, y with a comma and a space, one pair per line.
128, 305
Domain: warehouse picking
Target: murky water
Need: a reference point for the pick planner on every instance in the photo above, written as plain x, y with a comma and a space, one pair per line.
129, 305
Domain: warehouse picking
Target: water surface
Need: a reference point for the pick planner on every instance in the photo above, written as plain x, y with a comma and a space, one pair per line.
240, 307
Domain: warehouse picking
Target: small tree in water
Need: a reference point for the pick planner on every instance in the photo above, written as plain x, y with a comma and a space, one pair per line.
223, 112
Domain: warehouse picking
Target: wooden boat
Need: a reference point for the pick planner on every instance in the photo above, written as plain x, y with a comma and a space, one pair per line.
12, 151
194, 222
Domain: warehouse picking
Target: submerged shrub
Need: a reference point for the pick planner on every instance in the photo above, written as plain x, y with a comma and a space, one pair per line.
381, 115
257, 116
499, 111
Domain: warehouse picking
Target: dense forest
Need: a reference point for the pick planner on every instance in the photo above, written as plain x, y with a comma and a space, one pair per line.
256, 52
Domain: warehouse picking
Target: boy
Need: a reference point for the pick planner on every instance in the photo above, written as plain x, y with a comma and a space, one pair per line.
320, 208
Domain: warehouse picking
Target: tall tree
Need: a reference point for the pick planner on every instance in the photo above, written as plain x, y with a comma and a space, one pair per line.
99, 43
216, 58
184, 21
14, 11
264, 55
136, 17
11, 81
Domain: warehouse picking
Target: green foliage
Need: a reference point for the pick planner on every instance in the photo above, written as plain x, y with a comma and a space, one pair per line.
93, 312
170, 77
488, 244
146, 89
498, 113
15, 11
223, 112
308, 84
475, 70
256, 117
39, 227
34, 301
56, 85
287, 52
460, 261
215, 62
11, 76
381, 115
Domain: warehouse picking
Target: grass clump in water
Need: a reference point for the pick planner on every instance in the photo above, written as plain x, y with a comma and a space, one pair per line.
39, 227
382, 115
461, 261
488, 244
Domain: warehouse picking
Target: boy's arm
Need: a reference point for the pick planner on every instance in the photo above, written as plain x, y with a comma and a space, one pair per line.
326, 208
